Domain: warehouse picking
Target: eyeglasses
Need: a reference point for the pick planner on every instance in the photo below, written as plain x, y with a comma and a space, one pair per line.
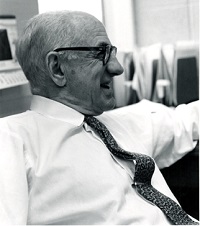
106, 50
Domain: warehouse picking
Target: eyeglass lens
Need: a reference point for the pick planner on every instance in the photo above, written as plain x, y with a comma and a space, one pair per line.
109, 51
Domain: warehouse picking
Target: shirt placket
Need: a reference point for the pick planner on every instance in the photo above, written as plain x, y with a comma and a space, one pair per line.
122, 163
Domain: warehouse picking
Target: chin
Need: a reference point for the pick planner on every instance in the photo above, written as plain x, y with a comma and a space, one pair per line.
109, 105
101, 110
98, 109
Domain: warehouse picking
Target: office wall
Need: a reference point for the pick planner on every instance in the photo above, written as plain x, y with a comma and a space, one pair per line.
22, 9
132, 23
166, 21
119, 22
139, 23
17, 99
93, 7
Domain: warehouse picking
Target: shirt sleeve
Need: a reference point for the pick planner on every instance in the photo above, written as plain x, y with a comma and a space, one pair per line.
175, 131
13, 181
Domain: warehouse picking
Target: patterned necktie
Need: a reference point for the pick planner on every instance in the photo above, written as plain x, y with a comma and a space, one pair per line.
144, 169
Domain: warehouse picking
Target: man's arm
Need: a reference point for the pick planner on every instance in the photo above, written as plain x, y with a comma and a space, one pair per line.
175, 132
167, 133
13, 181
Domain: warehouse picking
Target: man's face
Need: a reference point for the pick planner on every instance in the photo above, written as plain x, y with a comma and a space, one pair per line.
89, 82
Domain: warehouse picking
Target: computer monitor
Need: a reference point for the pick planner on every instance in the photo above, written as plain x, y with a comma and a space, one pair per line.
8, 38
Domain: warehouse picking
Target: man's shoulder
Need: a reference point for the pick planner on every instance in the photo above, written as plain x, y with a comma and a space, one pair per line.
131, 113
15, 116
133, 109
16, 119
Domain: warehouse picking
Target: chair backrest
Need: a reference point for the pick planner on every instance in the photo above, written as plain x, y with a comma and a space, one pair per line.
164, 74
146, 71
129, 70
124, 94
186, 72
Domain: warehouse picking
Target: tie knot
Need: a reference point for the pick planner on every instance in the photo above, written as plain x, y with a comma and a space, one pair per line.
94, 123
144, 164
107, 138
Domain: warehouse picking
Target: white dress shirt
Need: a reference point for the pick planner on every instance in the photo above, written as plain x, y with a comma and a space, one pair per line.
55, 170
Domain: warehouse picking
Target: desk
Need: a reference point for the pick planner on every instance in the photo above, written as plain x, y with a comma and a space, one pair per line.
183, 179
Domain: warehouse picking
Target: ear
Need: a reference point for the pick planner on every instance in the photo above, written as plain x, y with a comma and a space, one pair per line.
56, 73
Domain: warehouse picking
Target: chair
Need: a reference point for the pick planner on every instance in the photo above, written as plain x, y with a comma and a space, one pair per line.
129, 70
146, 71
164, 76
123, 92
186, 77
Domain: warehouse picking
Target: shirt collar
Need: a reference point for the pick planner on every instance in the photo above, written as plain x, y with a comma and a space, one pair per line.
56, 110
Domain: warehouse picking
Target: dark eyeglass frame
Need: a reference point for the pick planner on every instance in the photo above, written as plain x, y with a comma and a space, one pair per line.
107, 50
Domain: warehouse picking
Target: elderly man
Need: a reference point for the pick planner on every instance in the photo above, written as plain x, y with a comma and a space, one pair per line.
59, 165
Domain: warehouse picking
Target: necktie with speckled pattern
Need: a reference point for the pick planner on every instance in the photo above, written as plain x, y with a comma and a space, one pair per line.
144, 169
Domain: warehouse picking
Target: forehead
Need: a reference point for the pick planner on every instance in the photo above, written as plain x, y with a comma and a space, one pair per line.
93, 33
99, 37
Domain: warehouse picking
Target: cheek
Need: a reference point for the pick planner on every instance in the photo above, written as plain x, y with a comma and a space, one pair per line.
87, 90
85, 83
73, 72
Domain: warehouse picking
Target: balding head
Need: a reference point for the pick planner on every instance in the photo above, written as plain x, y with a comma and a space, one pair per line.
79, 79
46, 32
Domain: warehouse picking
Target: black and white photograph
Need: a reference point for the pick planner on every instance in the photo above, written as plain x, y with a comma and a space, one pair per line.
99, 112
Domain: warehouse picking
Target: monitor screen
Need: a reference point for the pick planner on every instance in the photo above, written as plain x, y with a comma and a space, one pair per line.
8, 38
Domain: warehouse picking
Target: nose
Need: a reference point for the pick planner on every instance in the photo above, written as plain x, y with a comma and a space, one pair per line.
114, 67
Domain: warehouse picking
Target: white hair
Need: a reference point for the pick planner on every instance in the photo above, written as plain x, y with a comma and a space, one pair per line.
43, 33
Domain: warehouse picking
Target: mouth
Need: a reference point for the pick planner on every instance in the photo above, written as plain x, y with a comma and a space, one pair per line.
105, 85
